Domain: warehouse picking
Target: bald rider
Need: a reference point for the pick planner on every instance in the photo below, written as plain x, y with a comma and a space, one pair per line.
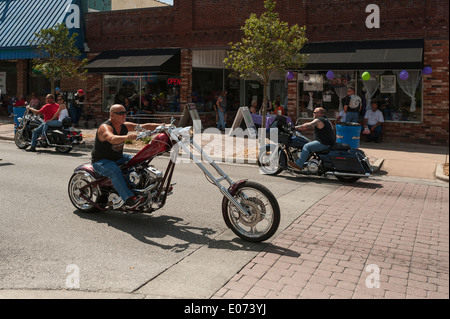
107, 154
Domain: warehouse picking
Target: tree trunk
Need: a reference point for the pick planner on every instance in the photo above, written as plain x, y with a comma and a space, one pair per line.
264, 112
52, 86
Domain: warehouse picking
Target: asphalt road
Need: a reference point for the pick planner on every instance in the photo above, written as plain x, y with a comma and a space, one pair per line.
183, 250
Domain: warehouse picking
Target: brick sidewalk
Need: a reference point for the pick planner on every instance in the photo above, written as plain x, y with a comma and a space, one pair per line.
337, 247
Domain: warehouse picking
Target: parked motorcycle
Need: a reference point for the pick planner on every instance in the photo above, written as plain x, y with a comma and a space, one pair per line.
346, 164
63, 139
248, 208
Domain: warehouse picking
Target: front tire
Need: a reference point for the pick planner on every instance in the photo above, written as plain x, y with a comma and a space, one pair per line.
269, 160
261, 204
20, 140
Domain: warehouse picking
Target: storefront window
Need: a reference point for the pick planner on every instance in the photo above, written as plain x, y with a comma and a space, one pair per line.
206, 87
399, 100
160, 91
9, 76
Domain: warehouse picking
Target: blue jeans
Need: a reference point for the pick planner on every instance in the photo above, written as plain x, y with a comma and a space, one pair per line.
376, 133
75, 113
111, 170
36, 133
352, 117
54, 123
308, 149
221, 124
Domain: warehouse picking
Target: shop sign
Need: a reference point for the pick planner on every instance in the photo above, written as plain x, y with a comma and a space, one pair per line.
339, 82
173, 81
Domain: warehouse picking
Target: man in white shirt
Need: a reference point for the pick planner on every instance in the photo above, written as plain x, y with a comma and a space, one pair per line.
374, 121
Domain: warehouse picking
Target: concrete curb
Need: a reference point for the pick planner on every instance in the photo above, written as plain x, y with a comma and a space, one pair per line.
440, 173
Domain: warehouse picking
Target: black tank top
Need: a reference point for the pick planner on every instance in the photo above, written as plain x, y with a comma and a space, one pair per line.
324, 135
105, 150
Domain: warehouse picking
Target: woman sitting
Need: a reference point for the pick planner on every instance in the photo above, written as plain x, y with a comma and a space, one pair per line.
60, 115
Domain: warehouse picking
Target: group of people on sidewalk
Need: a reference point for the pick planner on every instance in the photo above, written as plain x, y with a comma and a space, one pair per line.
373, 117
75, 110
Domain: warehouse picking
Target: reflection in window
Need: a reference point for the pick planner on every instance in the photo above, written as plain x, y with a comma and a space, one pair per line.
399, 100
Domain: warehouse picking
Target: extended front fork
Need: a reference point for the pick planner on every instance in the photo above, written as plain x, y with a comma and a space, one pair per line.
227, 192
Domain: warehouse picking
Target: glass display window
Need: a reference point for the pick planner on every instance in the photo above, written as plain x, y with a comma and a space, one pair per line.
315, 90
160, 92
398, 97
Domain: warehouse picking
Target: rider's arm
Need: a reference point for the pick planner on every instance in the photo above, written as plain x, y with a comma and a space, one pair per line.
55, 116
148, 126
313, 123
34, 111
105, 133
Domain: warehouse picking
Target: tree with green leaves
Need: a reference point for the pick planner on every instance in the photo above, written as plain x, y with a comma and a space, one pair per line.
269, 46
58, 57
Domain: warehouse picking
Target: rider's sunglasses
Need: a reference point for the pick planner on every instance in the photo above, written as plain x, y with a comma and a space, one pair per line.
120, 113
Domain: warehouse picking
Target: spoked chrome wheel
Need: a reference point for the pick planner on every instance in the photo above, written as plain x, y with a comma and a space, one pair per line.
76, 183
269, 160
20, 140
264, 213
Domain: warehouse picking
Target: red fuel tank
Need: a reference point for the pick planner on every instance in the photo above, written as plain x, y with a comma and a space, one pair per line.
158, 145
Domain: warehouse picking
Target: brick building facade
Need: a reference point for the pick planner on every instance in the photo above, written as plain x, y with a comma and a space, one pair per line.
192, 25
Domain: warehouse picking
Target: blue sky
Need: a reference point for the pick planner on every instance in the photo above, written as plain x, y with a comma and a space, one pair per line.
167, 1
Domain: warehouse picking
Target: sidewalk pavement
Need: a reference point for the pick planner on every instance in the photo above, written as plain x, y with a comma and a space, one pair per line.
374, 239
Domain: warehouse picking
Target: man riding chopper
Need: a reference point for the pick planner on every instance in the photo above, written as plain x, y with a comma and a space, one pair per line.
107, 154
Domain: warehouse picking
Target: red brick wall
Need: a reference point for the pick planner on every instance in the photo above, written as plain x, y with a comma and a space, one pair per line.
22, 69
212, 24
186, 77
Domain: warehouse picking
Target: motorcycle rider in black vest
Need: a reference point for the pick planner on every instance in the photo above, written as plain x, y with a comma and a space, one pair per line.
324, 137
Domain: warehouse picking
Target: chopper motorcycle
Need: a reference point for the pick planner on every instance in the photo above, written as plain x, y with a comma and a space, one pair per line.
63, 138
248, 208
346, 164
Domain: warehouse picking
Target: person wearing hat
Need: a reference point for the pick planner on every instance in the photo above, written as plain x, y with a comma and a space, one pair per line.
77, 108
352, 105
57, 92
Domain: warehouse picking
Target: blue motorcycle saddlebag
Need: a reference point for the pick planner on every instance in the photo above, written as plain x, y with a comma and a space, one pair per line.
347, 161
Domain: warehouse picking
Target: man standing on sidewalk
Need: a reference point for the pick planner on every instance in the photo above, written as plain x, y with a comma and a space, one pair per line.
48, 110
352, 105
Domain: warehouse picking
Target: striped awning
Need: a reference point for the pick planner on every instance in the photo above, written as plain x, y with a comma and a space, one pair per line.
20, 19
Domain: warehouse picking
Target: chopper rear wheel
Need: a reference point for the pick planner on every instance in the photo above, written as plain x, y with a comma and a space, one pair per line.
78, 196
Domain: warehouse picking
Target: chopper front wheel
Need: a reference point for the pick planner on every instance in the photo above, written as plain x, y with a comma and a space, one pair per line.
264, 212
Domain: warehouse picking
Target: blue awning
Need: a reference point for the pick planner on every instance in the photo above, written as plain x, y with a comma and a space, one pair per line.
20, 19
17, 54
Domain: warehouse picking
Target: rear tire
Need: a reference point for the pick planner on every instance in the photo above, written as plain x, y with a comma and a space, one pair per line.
347, 179
78, 181
264, 218
64, 149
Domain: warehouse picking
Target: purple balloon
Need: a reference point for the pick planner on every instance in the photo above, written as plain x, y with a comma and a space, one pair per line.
290, 75
330, 75
427, 70
404, 75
